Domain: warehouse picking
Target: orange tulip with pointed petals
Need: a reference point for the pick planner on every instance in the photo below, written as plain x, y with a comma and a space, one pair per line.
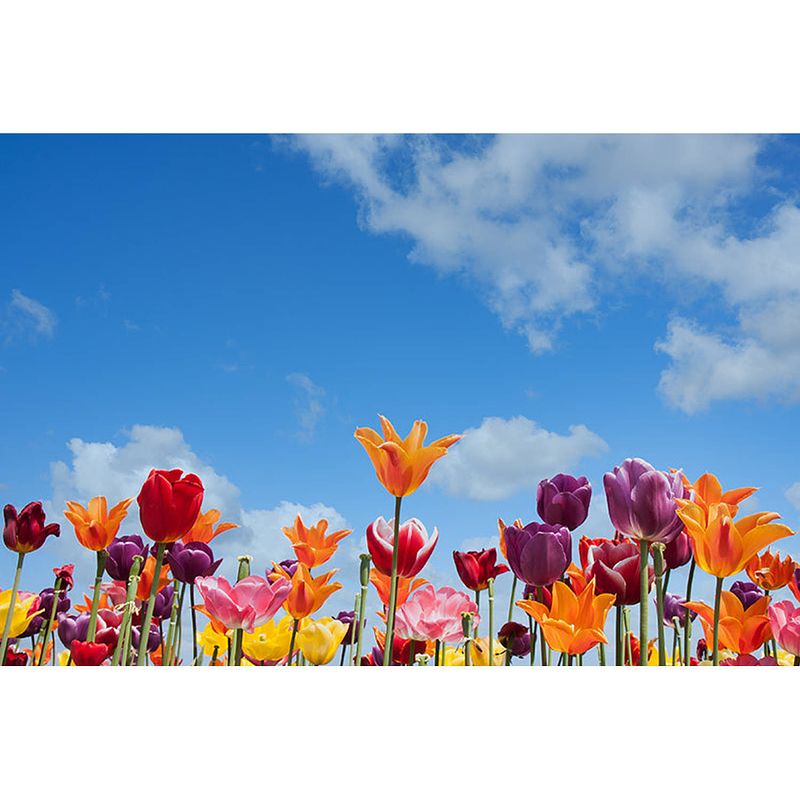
146, 579
768, 572
405, 586
708, 490
722, 547
204, 529
96, 526
574, 623
308, 594
311, 546
402, 464
741, 630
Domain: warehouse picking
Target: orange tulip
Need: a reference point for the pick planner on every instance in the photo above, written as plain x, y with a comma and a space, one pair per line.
577, 578
708, 490
405, 586
311, 546
402, 464
103, 602
741, 630
308, 593
769, 572
574, 623
203, 529
146, 579
96, 526
721, 546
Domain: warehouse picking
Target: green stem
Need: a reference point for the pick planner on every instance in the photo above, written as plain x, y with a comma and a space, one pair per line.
674, 640
466, 621
717, 602
295, 625
388, 647
362, 604
601, 655
490, 590
166, 654
144, 632
511, 601
11, 603
666, 579
658, 563
122, 650
618, 659
644, 596
236, 648
687, 629
797, 661
626, 622
543, 643
194, 622
98, 578
49, 627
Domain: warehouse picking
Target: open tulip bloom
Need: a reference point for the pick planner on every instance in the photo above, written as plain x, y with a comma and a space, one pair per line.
155, 571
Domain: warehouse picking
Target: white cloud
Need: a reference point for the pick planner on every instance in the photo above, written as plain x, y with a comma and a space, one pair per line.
28, 315
309, 407
793, 495
546, 226
503, 456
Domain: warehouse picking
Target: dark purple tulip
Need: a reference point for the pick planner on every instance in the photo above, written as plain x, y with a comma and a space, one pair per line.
289, 565
564, 500
162, 607
747, 592
515, 638
45, 607
679, 551
673, 607
72, 627
191, 561
349, 618
121, 552
538, 554
153, 641
641, 501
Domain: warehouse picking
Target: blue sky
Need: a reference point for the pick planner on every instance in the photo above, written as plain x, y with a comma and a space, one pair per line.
239, 304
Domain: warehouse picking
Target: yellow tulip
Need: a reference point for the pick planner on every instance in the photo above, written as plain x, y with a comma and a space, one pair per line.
318, 641
270, 642
22, 612
479, 654
209, 640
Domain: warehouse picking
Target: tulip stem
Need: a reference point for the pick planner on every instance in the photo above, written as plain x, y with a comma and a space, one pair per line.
214, 654
797, 661
532, 632
478, 607
388, 646
295, 624
626, 623
717, 602
194, 622
618, 659
466, 622
122, 649
235, 658
49, 627
644, 594
98, 577
12, 601
667, 573
543, 644
687, 626
601, 655
362, 605
166, 656
490, 590
676, 644
144, 631
658, 564
511, 601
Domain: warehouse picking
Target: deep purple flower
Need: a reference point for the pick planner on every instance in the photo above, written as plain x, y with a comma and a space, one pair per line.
153, 641
515, 638
162, 607
73, 627
641, 501
349, 619
121, 552
679, 551
289, 566
46, 607
538, 554
191, 561
747, 592
564, 500
673, 607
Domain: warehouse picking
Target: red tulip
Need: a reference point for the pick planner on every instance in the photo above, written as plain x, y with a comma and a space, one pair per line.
615, 567
476, 567
26, 531
169, 503
88, 654
413, 550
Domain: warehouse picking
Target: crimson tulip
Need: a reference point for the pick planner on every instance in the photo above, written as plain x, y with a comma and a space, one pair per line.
477, 567
614, 565
26, 531
169, 503
88, 654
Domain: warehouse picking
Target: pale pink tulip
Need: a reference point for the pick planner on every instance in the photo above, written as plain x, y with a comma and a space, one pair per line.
434, 614
785, 621
250, 603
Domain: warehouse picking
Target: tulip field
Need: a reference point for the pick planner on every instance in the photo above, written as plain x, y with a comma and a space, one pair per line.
157, 599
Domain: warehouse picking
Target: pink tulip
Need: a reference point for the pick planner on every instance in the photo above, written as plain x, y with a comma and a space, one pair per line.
250, 603
785, 621
413, 551
434, 614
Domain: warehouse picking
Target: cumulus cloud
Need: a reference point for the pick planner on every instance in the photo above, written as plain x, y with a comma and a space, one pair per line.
546, 226
504, 456
28, 316
309, 407
793, 495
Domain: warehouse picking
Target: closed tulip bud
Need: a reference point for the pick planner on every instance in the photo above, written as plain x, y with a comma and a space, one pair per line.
538, 554
163, 602
515, 638
26, 531
679, 551
169, 504
121, 553
477, 567
364, 569
674, 609
191, 561
88, 654
348, 618
64, 574
564, 500
748, 593
614, 565
702, 650
153, 640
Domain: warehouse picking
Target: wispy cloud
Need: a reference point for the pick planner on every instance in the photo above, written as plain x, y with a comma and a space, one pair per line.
309, 406
26, 316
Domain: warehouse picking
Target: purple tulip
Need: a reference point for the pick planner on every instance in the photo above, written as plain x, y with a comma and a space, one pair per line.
747, 592
538, 554
673, 607
121, 552
349, 619
515, 638
679, 551
73, 627
641, 501
153, 641
162, 607
46, 607
564, 500
191, 561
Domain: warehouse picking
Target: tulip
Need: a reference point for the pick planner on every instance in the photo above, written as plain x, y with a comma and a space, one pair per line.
246, 605
14, 659
675, 609
479, 650
748, 660
477, 567
24, 607
47, 601
153, 639
318, 641
64, 574
679, 551
784, 619
310, 544
574, 624
162, 606
768, 571
433, 615
88, 654
213, 642
614, 566
402, 652
405, 586
191, 561
747, 593
349, 618
169, 503
270, 641
206, 527
27, 531
732, 626
121, 552
538, 554
402, 464
307, 593
413, 550
707, 490
564, 500
96, 526
516, 639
